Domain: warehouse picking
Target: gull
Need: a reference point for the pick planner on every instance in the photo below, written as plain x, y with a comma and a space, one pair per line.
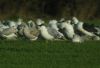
68, 29
53, 24
31, 24
39, 21
45, 34
19, 21
21, 31
9, 33
28, 34
79, 26
49, 33
77, 39
81, 29
20, 26
85, 29
62, 20
33, 28
2, 26
12, 36
98, 31
12, 24
75, 20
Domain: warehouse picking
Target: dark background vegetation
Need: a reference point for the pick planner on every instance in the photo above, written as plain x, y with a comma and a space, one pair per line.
83, 9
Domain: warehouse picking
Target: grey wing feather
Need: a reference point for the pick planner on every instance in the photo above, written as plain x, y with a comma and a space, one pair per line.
53, 32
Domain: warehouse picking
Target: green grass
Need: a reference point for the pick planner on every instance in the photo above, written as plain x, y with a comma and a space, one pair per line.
49, 54
96, 22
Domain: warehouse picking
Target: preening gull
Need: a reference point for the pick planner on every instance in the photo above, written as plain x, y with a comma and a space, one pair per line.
28, 34
33, 28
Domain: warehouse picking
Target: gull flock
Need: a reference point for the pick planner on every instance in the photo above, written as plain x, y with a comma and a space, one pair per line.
72, 30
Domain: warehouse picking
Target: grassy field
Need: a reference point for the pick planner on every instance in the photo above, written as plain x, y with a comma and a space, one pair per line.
49, 54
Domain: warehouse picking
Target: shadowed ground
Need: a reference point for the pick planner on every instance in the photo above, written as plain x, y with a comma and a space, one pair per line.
49, 54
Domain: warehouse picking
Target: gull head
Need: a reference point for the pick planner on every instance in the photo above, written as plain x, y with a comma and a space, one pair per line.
39, 22
75, 20
30, 21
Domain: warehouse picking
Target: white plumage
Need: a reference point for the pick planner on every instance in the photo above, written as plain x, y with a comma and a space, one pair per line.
39, 21
75, 20
12, 24
74, 30
53, 24
11, 36
45, 34
77, 39
80, 28
68, 29
19, 22
28, 34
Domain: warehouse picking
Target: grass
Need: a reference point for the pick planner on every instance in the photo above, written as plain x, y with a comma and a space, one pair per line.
96, 21
49, 54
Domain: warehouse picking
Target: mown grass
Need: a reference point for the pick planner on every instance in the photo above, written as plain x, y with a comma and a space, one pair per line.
49, 54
